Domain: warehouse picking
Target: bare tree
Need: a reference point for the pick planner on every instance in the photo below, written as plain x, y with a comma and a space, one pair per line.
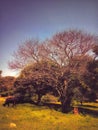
66, 45
27, 53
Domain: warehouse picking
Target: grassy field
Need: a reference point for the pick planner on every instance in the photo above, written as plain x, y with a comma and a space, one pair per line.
31, 117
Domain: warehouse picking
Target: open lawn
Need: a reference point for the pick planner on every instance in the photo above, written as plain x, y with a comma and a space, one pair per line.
31, 117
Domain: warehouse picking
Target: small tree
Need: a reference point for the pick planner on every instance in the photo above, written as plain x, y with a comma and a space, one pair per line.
42, 76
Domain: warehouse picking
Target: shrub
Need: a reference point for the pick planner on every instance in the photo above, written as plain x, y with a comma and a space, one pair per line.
48, 98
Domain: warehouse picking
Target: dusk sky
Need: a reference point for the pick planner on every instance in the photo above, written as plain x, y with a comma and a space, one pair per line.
21, 20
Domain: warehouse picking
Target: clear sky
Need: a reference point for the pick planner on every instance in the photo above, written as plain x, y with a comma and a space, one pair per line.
21, 20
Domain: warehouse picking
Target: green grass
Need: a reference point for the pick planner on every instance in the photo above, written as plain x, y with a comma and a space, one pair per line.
31, 117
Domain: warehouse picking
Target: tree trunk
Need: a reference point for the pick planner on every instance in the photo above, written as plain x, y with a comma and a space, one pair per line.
66, 105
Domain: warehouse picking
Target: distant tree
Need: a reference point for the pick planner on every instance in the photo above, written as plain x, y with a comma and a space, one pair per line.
6, 83
0, 73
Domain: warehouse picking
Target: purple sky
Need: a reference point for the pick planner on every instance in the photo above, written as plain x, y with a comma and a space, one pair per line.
24, 19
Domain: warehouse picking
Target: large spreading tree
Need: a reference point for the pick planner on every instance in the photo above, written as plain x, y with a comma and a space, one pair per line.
70, 51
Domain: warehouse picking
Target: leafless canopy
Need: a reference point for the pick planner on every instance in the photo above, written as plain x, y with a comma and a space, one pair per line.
62, 48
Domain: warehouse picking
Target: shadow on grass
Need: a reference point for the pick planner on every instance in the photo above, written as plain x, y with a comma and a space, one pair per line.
52, 105
89, 106
88, 111
82, 109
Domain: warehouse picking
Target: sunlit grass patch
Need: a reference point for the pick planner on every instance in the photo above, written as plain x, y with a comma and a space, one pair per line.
32, 117
2, 99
